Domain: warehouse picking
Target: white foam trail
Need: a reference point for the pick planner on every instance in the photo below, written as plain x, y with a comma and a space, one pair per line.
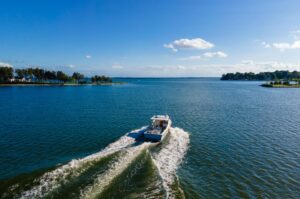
103, 180
170, 156
52, 180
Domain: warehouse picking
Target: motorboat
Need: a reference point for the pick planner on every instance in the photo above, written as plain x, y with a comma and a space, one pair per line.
157, 130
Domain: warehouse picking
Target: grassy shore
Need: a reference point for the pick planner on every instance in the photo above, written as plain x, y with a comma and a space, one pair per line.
281, 86
62, 84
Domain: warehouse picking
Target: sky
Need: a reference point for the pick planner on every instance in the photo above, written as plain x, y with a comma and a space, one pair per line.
151, 38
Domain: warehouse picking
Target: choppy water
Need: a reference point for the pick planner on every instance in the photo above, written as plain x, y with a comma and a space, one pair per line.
229, 140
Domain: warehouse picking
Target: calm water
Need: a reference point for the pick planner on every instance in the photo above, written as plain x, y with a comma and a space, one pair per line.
230, 140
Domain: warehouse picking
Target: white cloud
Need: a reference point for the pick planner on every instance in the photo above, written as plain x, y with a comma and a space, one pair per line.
164, 70
192, 58
196, 43
295, 34
215, 54
261, 66
71, 66
88, 56
181, 67
247, 62
3, 64
285, 46
207, 55
171, 46
117, 66
242, 66
282, 45
265, 44
209, 70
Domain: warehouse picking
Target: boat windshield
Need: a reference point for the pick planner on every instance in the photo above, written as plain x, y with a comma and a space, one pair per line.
159, 124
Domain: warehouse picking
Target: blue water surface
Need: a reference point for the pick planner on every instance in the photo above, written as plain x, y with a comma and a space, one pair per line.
245, 139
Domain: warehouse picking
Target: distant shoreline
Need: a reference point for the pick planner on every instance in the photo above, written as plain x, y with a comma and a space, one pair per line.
263, 76
61, 84
280, 86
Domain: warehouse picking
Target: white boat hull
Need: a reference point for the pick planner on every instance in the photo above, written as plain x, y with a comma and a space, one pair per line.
156, 132
158, 137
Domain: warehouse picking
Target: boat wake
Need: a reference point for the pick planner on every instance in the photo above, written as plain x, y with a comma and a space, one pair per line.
169, 158
103, 180
92, 176
74, 168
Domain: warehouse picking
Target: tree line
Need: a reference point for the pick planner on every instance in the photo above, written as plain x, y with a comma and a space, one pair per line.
266, 76
6, 73
102, 78
38, 75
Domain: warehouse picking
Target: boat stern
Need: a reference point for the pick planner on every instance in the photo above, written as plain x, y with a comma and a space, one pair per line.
153, 137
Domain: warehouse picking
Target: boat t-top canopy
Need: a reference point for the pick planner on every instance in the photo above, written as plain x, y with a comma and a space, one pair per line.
160, 118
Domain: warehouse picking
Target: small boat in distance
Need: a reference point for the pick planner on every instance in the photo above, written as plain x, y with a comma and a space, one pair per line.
156, 131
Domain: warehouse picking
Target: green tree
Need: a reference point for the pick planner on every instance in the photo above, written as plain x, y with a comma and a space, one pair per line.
77, 76
50, 75
102, 78
20, 73
39, 74
6, 73
29, 73
61, 76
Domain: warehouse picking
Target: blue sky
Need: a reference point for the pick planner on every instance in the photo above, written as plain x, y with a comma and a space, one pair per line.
150, 37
